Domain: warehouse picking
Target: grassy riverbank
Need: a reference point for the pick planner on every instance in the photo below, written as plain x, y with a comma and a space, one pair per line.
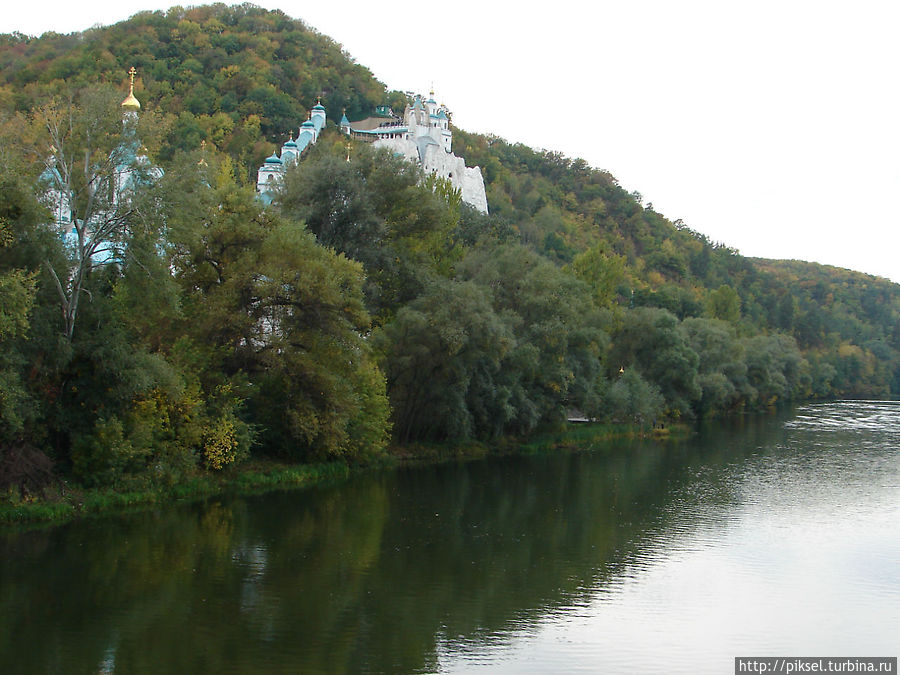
65, 501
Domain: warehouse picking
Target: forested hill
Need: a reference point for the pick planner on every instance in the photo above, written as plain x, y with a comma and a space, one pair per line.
847, 323
186, 327
240, 77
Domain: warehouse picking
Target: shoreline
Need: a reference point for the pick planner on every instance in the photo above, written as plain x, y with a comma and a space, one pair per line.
64, 502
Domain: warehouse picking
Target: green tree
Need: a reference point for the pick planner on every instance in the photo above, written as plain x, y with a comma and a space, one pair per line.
775, 368
601, 271
633, 400
17, 290
274, 316
724, 303
653, 342
560, 335
722, 371
445, 357
377, 209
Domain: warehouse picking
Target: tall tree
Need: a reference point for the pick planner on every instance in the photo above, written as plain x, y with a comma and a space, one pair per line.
90, 155
560, 335
17, 289
445, 357
378, 210
275, 316
652, 341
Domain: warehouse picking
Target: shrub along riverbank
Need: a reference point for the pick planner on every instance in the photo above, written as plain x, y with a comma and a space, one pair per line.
64, 501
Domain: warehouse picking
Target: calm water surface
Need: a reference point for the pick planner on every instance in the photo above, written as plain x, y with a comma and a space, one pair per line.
772, 537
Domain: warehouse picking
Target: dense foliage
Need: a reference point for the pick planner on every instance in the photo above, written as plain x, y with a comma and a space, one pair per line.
367, 303
237, 77
846, 324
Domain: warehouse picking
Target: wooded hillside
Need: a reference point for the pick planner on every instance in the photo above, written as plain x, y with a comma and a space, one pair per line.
367, 305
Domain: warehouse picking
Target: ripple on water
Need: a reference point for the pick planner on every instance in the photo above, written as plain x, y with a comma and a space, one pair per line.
880, 416
792, 549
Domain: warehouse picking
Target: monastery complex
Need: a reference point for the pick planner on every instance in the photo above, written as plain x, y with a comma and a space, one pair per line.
422, 136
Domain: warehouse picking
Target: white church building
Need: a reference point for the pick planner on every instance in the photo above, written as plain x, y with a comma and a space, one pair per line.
422, 136
271, 174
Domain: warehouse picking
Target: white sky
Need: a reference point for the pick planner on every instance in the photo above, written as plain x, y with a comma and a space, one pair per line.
770, 126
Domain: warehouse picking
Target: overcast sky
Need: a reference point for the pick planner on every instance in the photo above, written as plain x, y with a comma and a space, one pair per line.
770, 126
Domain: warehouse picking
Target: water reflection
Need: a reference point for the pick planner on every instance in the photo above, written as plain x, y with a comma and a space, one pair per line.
538, 563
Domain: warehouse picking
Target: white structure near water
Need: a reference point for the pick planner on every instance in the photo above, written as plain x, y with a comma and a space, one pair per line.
422, 136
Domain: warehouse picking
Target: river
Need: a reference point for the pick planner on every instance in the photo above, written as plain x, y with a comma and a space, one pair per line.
775, 536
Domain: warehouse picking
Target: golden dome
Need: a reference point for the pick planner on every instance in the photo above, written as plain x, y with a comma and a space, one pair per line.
130, 102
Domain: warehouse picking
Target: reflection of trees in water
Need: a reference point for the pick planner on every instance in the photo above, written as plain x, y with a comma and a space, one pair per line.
369, 575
